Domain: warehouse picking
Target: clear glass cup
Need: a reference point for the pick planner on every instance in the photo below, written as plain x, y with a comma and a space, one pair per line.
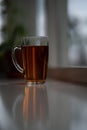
34, 52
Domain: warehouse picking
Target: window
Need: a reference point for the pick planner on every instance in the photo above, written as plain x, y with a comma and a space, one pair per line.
41, 18
77, 32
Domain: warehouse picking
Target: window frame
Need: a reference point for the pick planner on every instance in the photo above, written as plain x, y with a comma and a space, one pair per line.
69, 74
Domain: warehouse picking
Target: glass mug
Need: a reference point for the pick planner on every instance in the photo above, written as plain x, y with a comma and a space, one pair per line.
34, 51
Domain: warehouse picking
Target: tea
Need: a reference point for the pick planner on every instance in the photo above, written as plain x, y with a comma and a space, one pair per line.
35, 60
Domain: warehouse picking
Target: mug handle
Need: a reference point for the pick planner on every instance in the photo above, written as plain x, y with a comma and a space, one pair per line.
18, 67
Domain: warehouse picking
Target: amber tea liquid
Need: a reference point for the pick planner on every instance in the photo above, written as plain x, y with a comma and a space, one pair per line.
35, 60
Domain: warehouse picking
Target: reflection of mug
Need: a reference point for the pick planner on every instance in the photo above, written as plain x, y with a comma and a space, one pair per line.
34, 51
31, 109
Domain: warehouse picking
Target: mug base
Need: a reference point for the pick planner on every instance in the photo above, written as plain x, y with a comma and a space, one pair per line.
35, 83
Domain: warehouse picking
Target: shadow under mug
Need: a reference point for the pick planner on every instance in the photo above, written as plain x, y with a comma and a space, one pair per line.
34, 51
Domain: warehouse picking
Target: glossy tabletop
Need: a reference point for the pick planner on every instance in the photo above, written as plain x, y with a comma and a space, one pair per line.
52, 106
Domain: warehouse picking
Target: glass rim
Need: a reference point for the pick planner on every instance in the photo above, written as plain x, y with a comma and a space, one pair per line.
33, 37
44, 41
35, 41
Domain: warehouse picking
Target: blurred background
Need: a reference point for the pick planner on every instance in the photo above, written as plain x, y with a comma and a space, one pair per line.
63, 21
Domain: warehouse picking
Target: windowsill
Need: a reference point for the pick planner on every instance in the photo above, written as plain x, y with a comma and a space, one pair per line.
69, 74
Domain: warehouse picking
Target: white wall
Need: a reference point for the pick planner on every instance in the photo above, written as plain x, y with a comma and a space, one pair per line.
57, 29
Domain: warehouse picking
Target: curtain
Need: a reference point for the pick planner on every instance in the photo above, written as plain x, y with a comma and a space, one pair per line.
54, 23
